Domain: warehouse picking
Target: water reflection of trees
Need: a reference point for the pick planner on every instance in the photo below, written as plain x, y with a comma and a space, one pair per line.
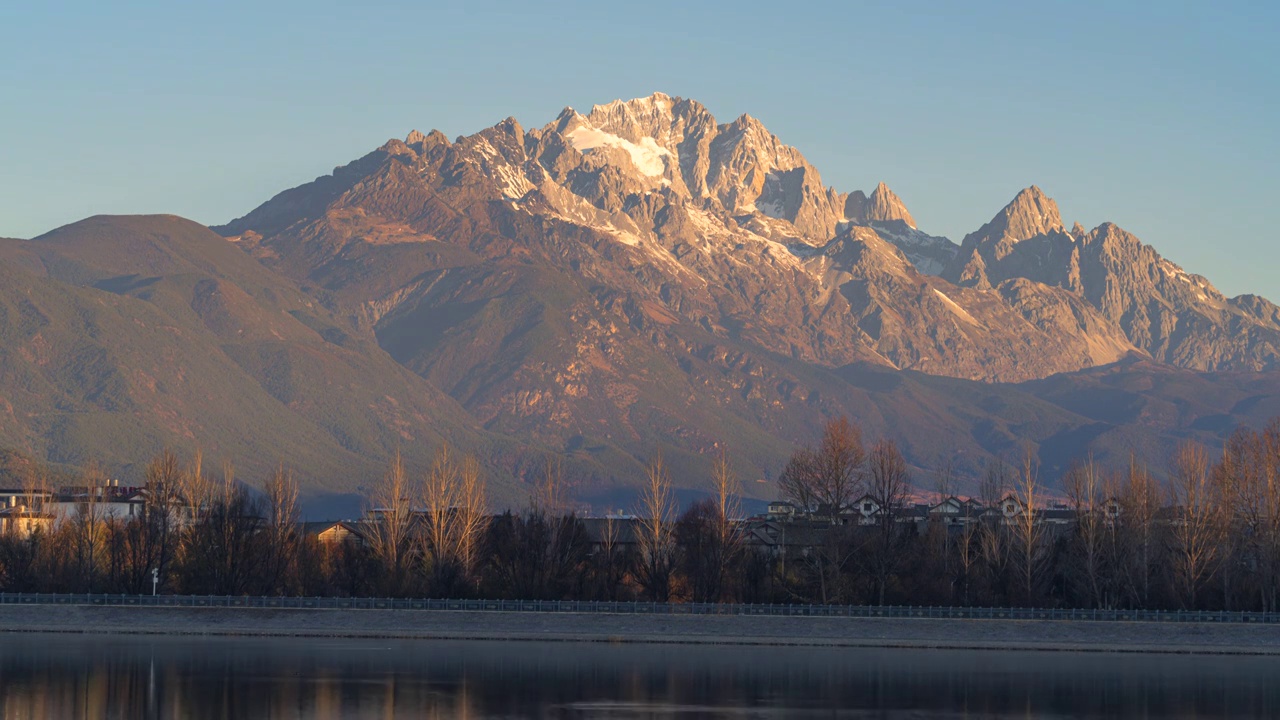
64, 677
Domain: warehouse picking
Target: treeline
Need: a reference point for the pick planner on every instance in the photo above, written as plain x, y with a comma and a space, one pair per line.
197, 535
1206, 537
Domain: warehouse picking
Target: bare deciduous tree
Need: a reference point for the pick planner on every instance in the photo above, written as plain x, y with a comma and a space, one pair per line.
1135, 515
198, 489
1027, 527
728, 491
826, 562
992, 536
944, 481
223, 545
655, 536
538, 553
388, 521
1233, 488
153, 543
472, 509
550, 496
609, 560
966, 550
1196, 521
1084, 490
709, 536
454, 507
281, 493
1266, 459
827, 478
888, 488
87, 522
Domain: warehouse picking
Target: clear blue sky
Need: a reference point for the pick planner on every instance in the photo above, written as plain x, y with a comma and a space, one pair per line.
1161, 117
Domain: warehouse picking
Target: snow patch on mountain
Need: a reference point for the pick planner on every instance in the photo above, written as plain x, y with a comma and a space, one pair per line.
773, 209
955, 307
747, 245
929, 253
647, 155
903, 236
621, 236
514, 184
706, 226
926, 265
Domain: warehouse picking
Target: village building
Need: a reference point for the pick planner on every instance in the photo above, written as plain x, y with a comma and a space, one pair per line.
32, 509
106, 501
21, 520
954, 511
781, 510
333, 532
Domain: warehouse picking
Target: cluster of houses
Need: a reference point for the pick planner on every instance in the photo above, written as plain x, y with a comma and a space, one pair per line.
783, 524
787, 526
951, 511
26, 510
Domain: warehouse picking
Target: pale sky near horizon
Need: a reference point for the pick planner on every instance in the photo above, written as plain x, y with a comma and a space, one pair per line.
1161, 117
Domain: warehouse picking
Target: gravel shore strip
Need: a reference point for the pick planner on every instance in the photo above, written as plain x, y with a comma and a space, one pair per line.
1048, 635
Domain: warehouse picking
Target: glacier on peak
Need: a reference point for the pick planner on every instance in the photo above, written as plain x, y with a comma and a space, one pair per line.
647, 155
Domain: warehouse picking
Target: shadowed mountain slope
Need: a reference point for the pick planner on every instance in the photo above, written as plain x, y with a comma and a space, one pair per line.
125, 334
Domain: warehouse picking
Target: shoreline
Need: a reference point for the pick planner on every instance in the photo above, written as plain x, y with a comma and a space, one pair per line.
730, 631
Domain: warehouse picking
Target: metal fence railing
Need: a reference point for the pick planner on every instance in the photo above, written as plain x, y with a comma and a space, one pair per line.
637, 608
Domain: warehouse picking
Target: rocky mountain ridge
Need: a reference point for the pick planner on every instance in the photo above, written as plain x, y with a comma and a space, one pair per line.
687, 258
1172, 315
726, 222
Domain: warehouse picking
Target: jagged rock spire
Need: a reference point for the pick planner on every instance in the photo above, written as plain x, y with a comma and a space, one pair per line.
884, 205
1029, 214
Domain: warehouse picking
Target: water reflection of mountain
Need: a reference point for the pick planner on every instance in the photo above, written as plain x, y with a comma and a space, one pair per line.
132, 677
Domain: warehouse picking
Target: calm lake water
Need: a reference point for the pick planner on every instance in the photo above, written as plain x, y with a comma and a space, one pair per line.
64, 676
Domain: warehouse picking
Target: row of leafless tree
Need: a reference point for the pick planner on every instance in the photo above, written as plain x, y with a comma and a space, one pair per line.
430, 528
1207, 536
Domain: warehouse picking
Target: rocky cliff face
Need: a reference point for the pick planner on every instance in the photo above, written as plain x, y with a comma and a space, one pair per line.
999, 250
738, 168
882, 207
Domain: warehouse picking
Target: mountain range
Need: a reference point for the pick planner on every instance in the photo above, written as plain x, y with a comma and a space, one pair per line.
635, 279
